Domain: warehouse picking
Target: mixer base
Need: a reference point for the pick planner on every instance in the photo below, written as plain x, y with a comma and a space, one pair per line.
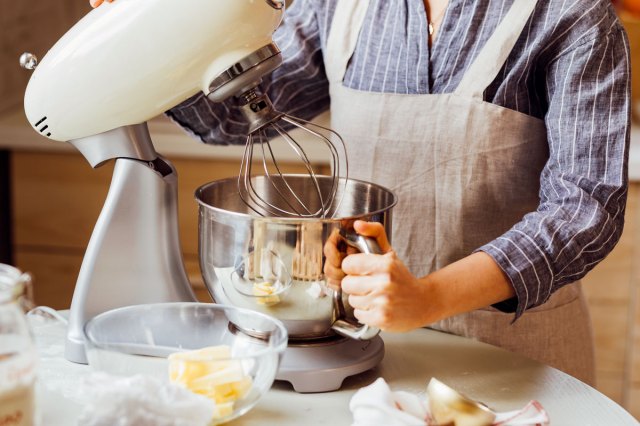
322, 367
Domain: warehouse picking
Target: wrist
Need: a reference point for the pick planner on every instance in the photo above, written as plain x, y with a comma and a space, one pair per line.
471, 283
435, 298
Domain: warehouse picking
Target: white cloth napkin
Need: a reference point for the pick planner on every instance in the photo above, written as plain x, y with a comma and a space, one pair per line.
378, 405
141, 401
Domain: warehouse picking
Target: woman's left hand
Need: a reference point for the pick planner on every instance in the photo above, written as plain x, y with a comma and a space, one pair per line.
381, 289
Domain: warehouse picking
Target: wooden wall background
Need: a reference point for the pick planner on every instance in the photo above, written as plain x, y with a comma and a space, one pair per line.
31, 26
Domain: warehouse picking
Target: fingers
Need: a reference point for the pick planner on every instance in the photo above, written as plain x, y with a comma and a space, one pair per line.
374, 317
368, 264
362, 285
373, 230
331, 250
333, 258
333, 273
359, 302
364, 310
339, 264
367, 317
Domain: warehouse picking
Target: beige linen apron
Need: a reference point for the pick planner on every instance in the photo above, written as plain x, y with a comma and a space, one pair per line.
465, 171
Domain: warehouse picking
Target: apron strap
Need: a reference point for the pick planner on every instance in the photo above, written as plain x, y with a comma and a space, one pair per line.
348, 20
484, 70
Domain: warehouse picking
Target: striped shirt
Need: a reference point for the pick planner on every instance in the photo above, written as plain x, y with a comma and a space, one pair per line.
570, 67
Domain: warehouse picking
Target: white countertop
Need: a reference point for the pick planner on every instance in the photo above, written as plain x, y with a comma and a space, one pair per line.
501, 379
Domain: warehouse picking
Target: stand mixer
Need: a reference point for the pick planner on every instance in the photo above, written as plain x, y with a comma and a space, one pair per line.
125, 63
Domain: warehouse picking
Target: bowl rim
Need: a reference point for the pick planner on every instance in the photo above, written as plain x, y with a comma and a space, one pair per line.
279, 347
285, 219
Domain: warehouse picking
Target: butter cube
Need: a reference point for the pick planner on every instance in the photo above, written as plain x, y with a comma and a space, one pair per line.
184, 367
264, 290
243, 386
212, 373
223, 410
204, 354
229, 373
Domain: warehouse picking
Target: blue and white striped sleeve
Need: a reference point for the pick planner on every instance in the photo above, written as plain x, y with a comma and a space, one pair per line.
299, 86
583, 186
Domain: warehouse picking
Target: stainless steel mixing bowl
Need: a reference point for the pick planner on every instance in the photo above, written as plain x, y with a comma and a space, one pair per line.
275, 265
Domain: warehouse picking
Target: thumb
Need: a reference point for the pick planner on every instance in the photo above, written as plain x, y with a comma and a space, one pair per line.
373, 230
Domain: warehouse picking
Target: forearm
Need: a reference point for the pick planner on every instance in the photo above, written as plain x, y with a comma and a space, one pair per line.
385, 294
473, 282
583, 185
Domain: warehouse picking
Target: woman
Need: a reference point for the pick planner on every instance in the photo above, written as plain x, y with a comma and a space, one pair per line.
503, 127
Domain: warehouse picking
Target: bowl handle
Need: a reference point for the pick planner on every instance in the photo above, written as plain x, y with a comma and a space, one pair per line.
341, 325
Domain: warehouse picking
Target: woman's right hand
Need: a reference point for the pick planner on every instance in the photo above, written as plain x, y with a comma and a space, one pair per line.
96, 3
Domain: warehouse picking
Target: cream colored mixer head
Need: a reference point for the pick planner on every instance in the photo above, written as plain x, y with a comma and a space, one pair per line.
129, 61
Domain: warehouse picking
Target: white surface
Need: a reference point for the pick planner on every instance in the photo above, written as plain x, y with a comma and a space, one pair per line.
502, 380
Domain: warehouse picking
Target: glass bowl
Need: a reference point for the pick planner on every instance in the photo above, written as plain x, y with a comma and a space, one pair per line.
238, 366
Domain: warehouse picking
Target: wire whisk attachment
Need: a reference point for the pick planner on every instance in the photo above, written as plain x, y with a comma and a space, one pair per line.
281, 194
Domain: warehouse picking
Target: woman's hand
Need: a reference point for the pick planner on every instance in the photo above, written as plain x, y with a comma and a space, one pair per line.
96, 3
381, 289
385, 294
335, 250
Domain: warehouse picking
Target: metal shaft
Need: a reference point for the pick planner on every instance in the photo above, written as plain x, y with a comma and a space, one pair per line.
266, 123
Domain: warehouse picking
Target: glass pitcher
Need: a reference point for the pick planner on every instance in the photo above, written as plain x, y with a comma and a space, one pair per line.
17, 350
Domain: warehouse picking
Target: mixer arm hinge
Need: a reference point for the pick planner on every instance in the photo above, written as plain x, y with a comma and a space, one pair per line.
161, 166
133, 142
